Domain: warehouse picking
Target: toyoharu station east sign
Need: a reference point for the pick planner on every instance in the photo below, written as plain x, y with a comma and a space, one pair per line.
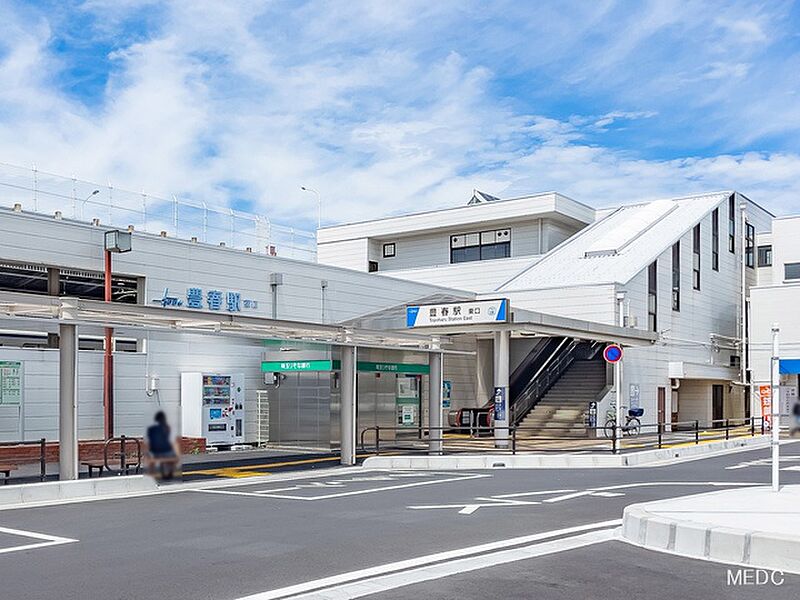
457, 313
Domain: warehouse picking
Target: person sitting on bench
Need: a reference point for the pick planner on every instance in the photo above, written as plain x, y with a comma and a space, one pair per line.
163, 454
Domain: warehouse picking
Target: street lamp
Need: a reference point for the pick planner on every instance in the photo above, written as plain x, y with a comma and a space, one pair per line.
85, 200
319, 203
115, 241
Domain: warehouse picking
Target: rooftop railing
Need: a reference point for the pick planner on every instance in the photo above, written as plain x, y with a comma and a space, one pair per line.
81, 200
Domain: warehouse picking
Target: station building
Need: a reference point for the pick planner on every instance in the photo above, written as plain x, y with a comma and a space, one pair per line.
667, 279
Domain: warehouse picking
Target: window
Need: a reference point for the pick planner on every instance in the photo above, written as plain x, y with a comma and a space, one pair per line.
732, 223
372, 266
89, 285
715, 239
765, 256
652, 296
486, 245
750, 245
676, 276
389, 250
791, 271
23, 278
696, 257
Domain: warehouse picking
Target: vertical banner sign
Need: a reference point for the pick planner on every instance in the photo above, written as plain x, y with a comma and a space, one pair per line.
634, 396
499, 404
765, 393
447, 392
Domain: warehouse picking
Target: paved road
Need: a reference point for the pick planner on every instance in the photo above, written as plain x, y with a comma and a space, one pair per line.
228, 541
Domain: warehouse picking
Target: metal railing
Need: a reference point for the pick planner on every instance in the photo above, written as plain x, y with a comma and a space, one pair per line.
557, 437
48, 193
41, 443
122, 454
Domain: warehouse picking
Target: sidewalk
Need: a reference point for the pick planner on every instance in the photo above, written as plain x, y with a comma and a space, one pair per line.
751, 526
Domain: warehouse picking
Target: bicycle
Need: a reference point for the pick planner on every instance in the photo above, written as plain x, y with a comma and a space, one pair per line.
632, 423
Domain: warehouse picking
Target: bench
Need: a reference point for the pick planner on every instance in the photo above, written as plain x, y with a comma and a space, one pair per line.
5, 469
99, 464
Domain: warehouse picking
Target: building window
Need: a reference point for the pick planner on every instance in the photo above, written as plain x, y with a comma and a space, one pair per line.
88, 285
486, 245
765, 256
791, 271
715, 239
372, 266
652, 296
732, 223
696, 257
676, 276
389, 250
750, 245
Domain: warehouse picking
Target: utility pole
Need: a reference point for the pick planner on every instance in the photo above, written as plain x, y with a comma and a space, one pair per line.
776, 411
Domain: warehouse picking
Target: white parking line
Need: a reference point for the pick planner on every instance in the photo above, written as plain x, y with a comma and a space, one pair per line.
432, 566
270, 494
47, 540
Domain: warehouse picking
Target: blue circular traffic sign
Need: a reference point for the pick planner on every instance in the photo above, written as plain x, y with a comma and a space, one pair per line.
613, 353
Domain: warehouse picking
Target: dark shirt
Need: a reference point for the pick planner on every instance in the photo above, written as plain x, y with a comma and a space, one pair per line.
158, 440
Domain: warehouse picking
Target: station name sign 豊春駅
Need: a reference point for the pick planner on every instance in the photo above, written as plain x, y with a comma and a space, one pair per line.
458, 313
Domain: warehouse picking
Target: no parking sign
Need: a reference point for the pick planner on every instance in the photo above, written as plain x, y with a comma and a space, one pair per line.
612, 353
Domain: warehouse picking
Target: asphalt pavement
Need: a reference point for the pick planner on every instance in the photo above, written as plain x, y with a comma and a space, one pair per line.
549, 532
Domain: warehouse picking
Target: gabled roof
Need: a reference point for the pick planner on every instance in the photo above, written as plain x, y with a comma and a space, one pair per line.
478, 197
616, 248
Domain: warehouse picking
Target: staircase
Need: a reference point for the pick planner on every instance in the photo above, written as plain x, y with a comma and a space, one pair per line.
565, 404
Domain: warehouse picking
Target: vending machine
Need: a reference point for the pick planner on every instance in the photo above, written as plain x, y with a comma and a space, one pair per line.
212, 406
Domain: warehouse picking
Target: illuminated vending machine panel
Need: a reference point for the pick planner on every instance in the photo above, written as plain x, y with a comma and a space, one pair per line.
223, 408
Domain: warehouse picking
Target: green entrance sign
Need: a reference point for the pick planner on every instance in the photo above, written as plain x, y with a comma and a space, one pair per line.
277, 366
382, 367
296, 365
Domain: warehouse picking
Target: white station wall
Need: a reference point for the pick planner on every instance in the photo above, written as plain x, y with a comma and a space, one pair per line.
174, 265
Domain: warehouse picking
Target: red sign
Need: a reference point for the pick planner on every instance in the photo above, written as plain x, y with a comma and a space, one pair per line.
765, 393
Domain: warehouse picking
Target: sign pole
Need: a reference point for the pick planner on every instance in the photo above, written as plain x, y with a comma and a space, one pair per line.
618, 378
776, 411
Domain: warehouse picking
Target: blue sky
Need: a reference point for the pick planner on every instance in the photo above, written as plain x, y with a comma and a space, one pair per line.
386, 107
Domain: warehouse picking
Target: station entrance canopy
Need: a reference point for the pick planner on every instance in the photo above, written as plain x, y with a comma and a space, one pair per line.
71, 313
101, 314
498, 315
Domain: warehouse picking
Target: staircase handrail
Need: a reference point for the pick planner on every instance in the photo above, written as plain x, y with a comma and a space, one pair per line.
550, 371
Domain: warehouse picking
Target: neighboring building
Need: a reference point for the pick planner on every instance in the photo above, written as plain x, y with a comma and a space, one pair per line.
677, 262
473, 247
775, 301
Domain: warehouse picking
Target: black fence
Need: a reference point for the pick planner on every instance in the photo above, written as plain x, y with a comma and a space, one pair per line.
558, 437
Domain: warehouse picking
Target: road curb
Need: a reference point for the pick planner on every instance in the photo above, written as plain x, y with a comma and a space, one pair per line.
38, 494
751, 548
564, 460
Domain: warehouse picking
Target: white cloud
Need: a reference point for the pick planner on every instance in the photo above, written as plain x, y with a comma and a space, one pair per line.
388, 107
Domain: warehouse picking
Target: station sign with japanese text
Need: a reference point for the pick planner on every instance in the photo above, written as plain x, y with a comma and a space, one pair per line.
458, 313
212, 299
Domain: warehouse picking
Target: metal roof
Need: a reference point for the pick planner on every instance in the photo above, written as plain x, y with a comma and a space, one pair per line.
618, 247
31, 307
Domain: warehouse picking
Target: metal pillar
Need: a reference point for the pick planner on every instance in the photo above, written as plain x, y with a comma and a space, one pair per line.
484, 370
776, 411
435, 385
347, 413
618, 378
68, 402
108, 360
502, 343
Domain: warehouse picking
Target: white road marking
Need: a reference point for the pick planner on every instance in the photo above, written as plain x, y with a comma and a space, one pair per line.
611, 491
47, 540
272, 494
409, 570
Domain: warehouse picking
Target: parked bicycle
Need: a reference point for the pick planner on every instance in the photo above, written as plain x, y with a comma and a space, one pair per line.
632, 423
